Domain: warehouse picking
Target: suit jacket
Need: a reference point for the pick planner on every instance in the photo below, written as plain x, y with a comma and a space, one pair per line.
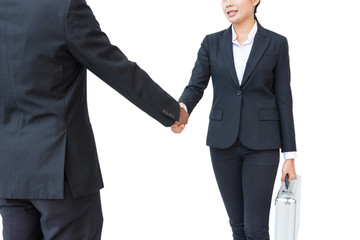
259, 112
46, 46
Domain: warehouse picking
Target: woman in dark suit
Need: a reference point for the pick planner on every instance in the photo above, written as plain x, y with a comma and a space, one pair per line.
251, 116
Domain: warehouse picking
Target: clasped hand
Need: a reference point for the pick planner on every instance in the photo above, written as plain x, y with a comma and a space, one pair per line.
179, 126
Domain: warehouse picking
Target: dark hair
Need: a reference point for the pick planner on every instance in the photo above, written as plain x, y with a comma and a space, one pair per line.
256, 9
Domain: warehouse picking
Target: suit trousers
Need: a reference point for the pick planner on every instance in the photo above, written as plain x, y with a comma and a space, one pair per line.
66, 219
246, 179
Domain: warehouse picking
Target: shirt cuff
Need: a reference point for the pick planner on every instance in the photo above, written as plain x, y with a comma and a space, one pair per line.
185, 108
290, 155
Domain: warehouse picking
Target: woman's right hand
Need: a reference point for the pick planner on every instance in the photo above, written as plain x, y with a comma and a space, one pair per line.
178, 127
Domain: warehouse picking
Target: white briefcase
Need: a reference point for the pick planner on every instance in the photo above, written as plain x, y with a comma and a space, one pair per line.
287, 212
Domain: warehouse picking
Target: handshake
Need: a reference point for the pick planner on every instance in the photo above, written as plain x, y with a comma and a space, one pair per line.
179, 126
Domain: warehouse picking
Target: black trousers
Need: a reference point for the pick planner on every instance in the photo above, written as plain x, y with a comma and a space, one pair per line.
246, 180
66, 219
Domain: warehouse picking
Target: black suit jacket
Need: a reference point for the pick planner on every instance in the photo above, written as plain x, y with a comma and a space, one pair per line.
259, 112
45, 48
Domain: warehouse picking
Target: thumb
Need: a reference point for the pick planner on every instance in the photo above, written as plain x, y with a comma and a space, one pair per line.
283, 177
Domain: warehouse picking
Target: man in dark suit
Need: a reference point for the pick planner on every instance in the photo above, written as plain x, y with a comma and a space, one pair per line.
49, 170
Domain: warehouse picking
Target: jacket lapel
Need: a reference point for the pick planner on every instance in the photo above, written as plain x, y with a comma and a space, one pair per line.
227, 54
261, 42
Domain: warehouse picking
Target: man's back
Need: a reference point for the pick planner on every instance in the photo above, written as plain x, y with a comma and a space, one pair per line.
33, 99
45, 48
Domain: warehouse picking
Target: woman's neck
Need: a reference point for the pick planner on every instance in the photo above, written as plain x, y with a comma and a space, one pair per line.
243, 29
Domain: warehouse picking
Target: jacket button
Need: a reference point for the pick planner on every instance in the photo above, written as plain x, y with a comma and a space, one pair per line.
238, 93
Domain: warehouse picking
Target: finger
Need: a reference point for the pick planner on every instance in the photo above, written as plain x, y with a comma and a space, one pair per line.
283, 177
177, 128
176, 123
181, 126
292, 176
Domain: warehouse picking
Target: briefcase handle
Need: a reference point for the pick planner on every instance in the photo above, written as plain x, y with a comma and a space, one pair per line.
287, 181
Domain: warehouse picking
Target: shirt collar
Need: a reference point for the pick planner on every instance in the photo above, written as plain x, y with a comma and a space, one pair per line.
251, 35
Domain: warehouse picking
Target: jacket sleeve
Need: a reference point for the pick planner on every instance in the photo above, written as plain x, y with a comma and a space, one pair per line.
199, 80
92, 48
284, 99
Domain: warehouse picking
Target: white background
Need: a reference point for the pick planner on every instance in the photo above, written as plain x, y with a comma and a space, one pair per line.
159, 185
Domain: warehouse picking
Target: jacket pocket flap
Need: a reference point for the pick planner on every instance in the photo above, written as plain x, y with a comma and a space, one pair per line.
216, 114
268, 114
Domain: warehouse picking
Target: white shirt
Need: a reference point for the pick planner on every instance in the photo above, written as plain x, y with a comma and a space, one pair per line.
241, 52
